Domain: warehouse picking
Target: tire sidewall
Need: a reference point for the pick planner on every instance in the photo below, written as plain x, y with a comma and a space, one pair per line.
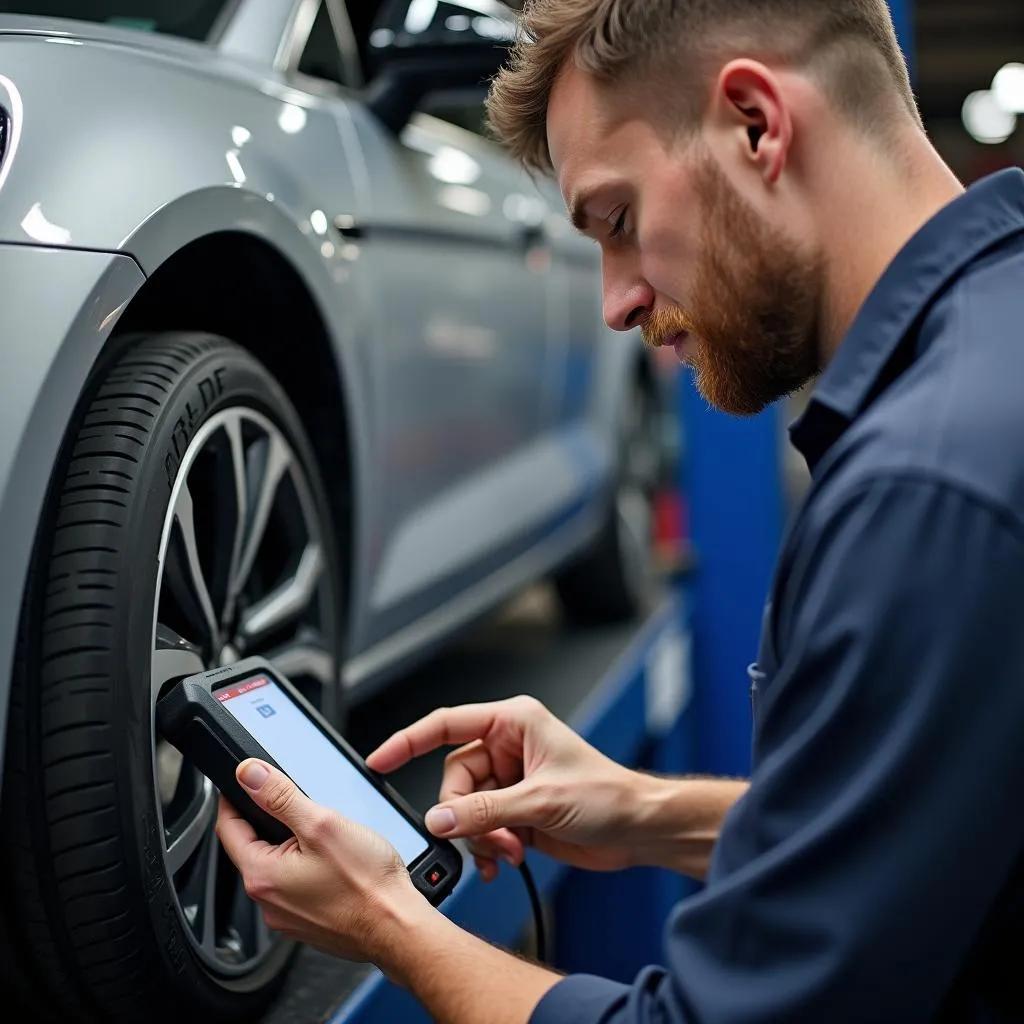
224, 377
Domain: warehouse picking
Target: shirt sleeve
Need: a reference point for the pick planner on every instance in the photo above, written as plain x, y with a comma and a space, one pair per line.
884, 813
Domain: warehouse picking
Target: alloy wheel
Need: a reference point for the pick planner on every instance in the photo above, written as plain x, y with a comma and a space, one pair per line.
241, 571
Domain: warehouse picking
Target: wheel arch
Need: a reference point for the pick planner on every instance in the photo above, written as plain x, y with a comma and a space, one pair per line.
241, 287
73, 333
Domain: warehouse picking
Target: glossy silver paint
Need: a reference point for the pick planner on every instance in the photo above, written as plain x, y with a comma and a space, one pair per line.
480, 384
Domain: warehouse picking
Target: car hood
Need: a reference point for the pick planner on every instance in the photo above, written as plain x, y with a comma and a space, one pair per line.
94, 31
153, 44
108, 131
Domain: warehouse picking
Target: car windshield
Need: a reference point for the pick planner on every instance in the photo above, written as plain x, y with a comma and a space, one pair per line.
190, 19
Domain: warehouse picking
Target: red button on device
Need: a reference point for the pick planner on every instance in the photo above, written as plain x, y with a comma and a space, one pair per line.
436, 875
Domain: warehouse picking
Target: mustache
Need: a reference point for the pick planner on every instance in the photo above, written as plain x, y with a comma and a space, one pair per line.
661, 325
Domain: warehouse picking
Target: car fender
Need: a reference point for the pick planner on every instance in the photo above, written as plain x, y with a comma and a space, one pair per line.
59, 309
332, 281
190, 150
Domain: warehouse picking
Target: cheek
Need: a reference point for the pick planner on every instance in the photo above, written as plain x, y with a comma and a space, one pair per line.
669, 259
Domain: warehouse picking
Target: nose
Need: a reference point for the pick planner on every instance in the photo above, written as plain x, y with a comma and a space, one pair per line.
628, 299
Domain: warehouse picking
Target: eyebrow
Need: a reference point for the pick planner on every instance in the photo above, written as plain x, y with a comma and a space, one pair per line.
578, 203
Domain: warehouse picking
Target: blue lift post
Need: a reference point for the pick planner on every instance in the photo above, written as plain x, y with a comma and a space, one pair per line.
677, 701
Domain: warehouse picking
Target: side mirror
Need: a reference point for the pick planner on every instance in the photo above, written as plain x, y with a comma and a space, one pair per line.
418, 46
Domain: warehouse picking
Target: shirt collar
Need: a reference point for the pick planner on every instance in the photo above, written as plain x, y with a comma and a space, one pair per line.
984, 215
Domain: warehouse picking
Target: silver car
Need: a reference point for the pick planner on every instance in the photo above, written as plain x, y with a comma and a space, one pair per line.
296, 362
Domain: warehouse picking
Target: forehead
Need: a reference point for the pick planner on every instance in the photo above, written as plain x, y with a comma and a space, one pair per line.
599, 135
579, 123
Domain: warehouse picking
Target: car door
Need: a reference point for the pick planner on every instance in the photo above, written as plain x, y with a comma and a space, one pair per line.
457, 268
446, 244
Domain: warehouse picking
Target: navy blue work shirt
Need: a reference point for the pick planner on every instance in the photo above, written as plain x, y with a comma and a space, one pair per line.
874, 872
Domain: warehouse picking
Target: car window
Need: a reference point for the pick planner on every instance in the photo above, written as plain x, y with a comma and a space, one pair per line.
464, 108
190, 19
321, 57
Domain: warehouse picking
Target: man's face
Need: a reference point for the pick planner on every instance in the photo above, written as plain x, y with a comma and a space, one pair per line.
686, 257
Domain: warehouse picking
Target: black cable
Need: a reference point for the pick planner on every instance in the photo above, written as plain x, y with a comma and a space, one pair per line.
538, 912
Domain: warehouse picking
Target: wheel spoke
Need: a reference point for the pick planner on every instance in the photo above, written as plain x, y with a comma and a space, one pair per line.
169, 764
287, 601
277, 462
184, 513
233, 428
173, 658
305, 657
211, 855
189, 838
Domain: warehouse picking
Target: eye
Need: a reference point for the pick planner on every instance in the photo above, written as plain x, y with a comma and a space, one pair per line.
620, 224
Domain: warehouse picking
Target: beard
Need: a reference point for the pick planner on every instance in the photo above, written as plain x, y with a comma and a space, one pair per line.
755, 307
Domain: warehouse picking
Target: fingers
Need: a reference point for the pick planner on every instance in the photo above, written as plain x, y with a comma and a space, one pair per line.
237, 836
444, 727
487, 868
483, 812
282, 799
501, 844
467, 770
449, 726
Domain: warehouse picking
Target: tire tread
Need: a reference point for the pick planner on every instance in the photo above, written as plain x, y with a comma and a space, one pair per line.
84, 543
79, 923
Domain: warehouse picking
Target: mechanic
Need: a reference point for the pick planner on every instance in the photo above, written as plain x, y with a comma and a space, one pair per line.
758, 177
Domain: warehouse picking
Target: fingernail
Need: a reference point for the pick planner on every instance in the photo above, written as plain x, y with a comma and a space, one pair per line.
509, 859
440, 820
254, 775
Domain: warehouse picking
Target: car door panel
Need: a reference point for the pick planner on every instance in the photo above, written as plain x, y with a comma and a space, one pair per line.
465, 307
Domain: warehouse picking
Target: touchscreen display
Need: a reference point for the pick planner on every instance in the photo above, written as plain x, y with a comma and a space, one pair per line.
318, 767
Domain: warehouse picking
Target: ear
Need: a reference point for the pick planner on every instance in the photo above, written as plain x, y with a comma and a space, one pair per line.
749, 105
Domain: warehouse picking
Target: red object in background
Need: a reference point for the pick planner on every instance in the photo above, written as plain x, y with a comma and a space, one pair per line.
672, 550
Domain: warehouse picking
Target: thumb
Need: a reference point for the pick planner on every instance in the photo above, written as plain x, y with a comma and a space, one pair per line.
277, 795
480, 813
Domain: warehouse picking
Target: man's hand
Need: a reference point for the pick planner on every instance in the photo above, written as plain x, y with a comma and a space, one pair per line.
522, 778
336, 885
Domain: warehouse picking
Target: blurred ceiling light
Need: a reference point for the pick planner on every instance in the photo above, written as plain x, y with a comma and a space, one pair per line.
1008, 88
986, 120
525, 209
36, 226
235, 166
469, 201
492, 8
240, 136
454, 167
492, 28
318, 222
420, 16
292, 119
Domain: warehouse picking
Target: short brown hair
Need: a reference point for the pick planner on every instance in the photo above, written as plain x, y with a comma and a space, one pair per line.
850, 45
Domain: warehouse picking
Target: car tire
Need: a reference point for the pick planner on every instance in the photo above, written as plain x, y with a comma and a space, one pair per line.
614, 580
108, 836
